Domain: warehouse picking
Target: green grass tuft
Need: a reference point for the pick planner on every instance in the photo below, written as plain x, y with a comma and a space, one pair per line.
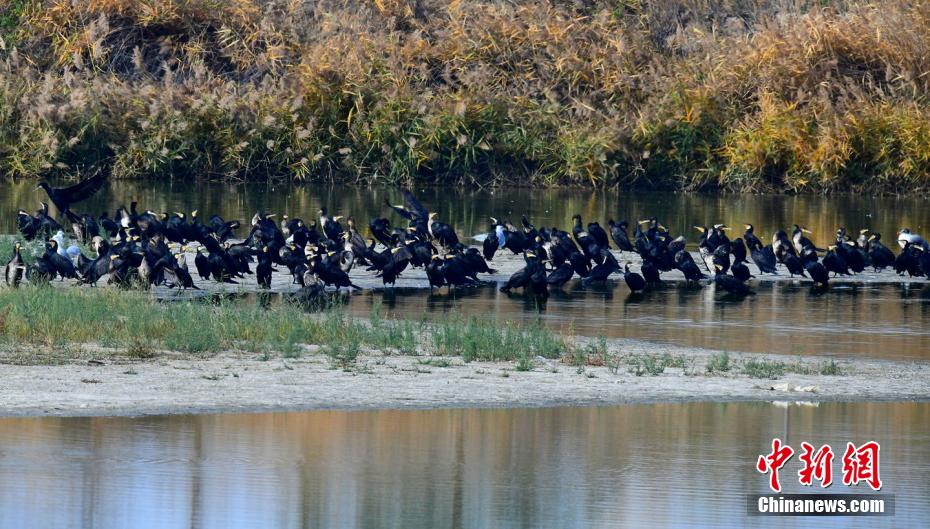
764, 369
718, 363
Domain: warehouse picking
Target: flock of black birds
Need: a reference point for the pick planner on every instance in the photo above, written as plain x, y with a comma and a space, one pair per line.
145, 249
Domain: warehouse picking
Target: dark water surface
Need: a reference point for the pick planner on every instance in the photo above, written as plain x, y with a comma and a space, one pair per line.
888, 321
661, 465
468, 210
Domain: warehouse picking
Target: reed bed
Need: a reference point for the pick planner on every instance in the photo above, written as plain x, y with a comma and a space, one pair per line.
749, 95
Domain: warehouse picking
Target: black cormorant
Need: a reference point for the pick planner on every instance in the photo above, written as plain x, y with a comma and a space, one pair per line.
738, 249
834, 262
263, 268
595, 230
15, 268
561, 275
907, 261
434, 272
109, 225
764, 258
650, 273
794, 265
441, 232
731, 284
782, 247
685, 263
84, 226
818, 272
331, 227
619, 234
752, 241
741, 271
634, 281
64, 197
880, 256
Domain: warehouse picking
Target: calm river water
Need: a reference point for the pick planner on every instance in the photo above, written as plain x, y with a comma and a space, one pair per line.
660, 465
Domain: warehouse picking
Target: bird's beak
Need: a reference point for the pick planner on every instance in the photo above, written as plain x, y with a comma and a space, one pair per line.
725, 228
642, 221
745, 226
271, 215
700, 229
805, 230
863, 232
871, 238
663, 228
493, 220
337, 218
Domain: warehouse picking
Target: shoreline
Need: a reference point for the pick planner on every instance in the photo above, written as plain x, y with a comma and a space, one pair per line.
177, 384
505, 264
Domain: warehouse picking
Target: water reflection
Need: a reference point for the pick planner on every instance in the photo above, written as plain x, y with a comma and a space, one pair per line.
884, 321
664, 465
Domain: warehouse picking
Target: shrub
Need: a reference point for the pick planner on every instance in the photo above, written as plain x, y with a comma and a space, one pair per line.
763, 95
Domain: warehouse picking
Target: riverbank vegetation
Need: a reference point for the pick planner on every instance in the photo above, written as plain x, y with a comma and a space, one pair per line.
758, 95
137, 325
48, 325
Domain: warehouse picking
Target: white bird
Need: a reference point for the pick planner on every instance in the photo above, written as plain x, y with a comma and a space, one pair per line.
905, 236
60, 239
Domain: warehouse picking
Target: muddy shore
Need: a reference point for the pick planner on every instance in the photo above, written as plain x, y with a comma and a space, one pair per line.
177, 384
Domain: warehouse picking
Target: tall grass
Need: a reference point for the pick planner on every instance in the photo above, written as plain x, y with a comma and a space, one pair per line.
135, 324
487, 339
758, 95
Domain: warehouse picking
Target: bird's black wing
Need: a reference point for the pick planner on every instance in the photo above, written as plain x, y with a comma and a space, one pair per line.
415, 204
85, 188
400, 211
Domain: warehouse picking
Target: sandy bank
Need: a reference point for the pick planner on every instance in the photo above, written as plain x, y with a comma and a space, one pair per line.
175, 384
